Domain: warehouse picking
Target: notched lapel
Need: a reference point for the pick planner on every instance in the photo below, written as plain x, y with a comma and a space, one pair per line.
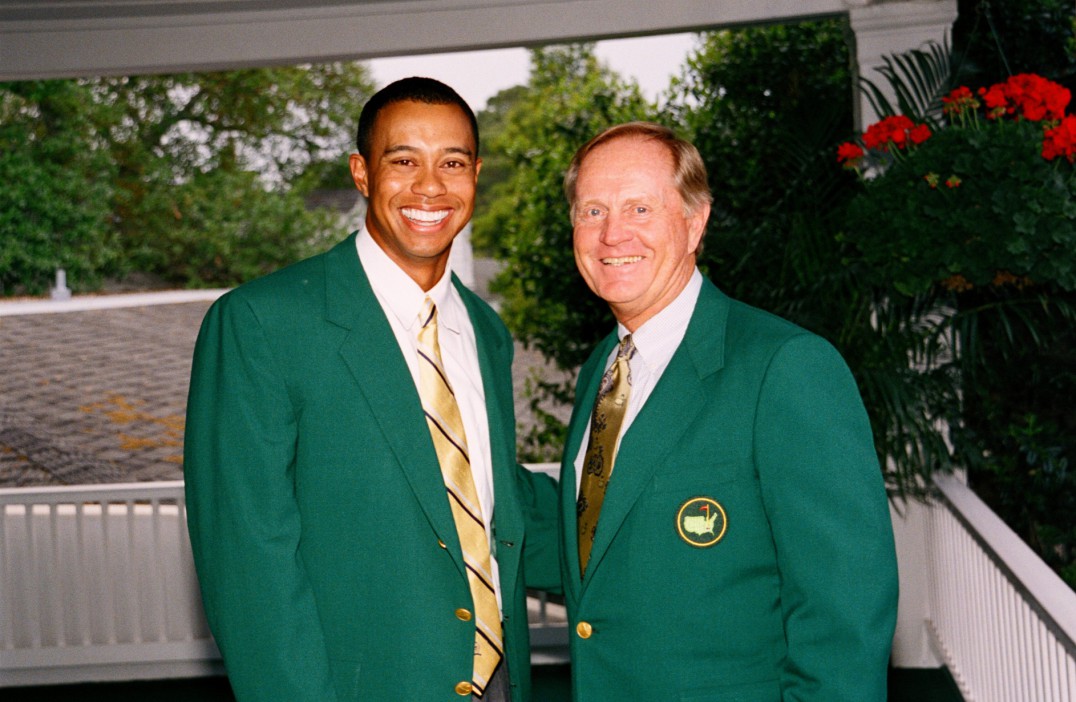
500, 417
373, 357
672, 407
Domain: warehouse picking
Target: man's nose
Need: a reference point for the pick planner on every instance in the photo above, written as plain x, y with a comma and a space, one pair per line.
615, 230
429, 182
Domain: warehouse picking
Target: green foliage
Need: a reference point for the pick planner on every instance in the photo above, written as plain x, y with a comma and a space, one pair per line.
1027, 478
1010, 212
544, 440
989, 265
763, 105
569, 99
196, 178
919, 79
57, 186
254, 231
496, 166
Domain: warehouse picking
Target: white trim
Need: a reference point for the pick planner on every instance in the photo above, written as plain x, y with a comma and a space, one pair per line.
64, 38
81, 303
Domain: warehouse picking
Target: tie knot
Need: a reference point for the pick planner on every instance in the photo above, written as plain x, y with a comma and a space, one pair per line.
429, 313
627, 348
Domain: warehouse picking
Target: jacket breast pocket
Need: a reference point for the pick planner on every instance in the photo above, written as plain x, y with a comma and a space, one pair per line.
706, 515
700, 478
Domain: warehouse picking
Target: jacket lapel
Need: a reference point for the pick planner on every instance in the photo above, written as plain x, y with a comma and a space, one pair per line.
373, 356
500, 414
671, 408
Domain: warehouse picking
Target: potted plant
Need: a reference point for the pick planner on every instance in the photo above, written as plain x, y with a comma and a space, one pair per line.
983, 196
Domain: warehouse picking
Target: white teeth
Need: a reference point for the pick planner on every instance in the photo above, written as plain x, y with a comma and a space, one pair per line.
425, 216
623, 260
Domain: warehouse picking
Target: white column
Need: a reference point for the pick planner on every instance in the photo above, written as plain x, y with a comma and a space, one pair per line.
887, 28
911, 643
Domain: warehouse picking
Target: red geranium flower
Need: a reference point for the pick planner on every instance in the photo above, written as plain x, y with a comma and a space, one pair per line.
891, 129
1061, 140
919, 133
995, 101
959, 101
1026, 95
848, 154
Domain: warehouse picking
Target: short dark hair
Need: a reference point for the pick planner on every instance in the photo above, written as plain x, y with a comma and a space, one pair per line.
414, 89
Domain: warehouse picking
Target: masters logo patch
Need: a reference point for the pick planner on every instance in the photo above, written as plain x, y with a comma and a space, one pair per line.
701, 521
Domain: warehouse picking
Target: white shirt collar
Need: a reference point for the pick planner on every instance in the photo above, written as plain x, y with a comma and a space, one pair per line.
400, 293
658, 338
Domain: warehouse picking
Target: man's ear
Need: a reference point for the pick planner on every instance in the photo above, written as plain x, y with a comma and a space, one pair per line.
696, 222
358, 174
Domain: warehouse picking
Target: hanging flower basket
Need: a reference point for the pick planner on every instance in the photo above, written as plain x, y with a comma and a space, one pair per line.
985, 198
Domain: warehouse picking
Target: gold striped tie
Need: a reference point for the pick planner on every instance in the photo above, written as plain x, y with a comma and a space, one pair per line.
610, 406
446, 428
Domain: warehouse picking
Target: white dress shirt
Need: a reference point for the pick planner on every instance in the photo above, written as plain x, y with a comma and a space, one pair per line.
402, 300
655, 343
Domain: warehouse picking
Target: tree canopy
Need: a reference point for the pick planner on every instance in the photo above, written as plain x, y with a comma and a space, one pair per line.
196, 178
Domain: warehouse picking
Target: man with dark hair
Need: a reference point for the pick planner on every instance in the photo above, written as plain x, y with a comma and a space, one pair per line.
358, 518
726, 530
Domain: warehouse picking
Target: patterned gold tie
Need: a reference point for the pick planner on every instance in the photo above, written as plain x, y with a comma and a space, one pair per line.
609, 408
446, 428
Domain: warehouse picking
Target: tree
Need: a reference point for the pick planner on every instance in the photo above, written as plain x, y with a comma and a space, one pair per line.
496, 168
58, 181
570, 97
209, 166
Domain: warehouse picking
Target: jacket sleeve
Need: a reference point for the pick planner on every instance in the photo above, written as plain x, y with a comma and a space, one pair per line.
824, 496
243, 517
541, 514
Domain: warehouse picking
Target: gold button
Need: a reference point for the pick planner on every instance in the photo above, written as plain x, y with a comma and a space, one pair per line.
464, 688
442, 544
463, 615
584, 629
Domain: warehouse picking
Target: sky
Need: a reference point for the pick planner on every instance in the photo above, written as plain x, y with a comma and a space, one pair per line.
479, 75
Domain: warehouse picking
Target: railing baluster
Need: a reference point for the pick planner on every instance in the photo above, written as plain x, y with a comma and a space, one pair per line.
1006, 622
29, 586
134, 580
81, 593
109, 584
7, 627
55, 600
160, 596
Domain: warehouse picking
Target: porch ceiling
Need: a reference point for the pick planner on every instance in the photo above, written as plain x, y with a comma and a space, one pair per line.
66, 38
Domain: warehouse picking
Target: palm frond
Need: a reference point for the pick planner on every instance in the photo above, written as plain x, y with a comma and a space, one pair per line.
918, 78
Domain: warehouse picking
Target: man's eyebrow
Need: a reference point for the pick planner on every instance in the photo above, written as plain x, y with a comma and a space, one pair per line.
460, 150
399, 148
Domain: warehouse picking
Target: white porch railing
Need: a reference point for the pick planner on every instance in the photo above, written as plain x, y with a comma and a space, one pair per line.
1001, 619
97, 583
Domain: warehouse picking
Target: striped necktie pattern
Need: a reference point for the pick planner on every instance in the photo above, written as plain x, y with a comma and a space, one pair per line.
446, 428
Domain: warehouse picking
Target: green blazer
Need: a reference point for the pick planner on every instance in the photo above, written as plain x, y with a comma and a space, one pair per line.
328, 558
744, 550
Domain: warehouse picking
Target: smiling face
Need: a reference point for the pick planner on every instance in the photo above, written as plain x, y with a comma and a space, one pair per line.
634, 244
419, 183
